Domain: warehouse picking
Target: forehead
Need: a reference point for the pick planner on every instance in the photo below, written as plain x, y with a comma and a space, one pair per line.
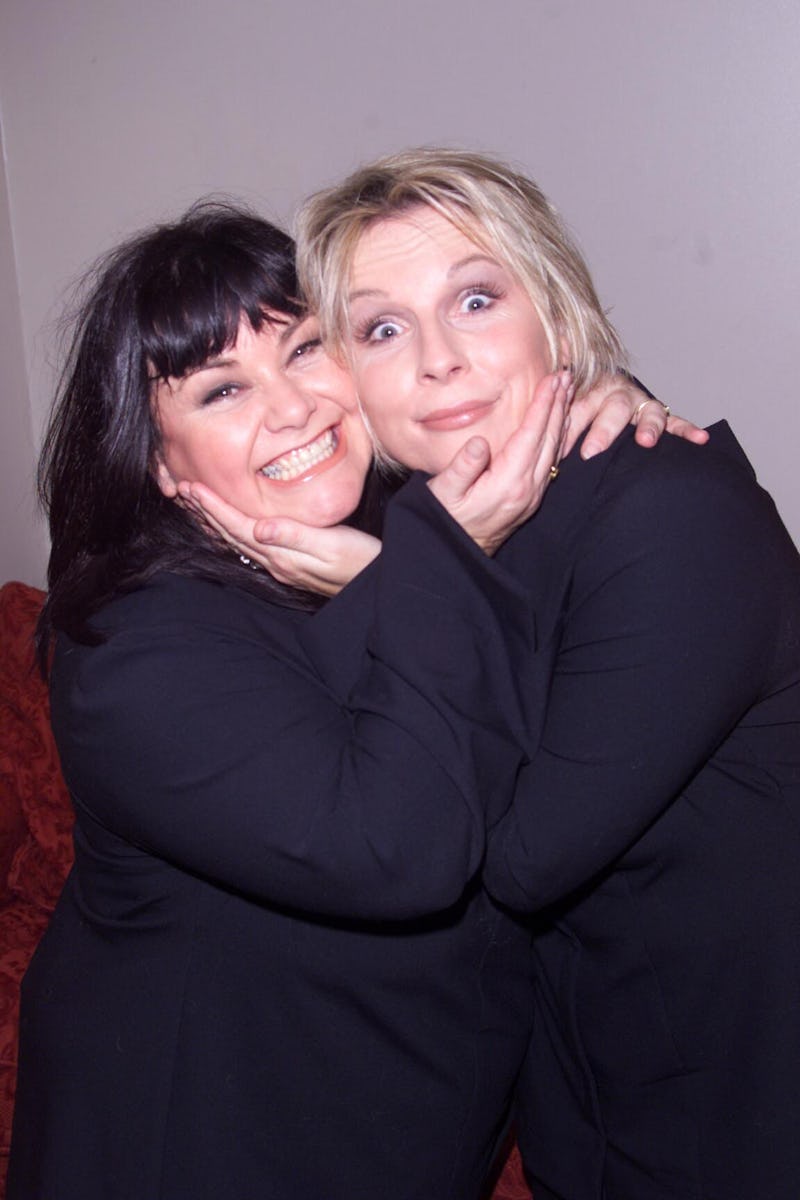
399, 245
277, 328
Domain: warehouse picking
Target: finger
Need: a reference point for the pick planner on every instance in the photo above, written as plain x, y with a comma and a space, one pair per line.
287, 534
680, 427
529, 460
535, 446
565, 444
651, 421
452, 484
545, 468
560, 419
610, 421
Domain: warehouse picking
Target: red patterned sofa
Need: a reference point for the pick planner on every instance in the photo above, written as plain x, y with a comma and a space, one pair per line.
36, 842
35, 825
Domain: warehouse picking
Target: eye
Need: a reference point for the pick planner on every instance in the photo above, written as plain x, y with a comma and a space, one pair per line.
305, 348
224, 392
380, 330
384, 331
477, 298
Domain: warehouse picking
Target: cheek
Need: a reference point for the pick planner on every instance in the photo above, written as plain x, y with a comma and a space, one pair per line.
526, 368
521, 376
378, 417
205, 461
177, 456
217, 460
329, 500
379, 375
183, 455
386, 403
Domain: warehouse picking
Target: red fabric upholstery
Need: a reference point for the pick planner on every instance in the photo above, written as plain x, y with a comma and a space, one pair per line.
511, 1185
35, 825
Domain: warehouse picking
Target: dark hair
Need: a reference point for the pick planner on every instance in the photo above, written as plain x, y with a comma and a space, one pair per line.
155, 307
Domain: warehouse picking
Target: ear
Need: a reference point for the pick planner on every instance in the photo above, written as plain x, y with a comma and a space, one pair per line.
565, 359
165, 481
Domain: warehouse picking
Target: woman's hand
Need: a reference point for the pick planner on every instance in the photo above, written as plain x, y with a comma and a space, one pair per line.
318, 560
615, 403
491, 498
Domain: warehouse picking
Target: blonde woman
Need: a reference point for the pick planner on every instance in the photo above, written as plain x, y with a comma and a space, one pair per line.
654, 833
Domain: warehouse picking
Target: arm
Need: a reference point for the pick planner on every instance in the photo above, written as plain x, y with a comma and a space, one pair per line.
618, 402
667, 639
198, 733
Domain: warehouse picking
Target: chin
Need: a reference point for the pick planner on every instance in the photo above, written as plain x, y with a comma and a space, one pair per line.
331, 510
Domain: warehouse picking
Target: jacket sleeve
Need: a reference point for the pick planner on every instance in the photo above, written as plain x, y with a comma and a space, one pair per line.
677, 601
204, 738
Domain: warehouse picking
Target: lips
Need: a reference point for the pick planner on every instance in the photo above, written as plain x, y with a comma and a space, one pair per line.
458, 416
301, 461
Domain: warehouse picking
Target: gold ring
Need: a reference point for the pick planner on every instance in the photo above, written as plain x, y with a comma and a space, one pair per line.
554, 472
637, 412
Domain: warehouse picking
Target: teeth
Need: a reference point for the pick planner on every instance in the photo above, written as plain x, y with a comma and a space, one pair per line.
290, 465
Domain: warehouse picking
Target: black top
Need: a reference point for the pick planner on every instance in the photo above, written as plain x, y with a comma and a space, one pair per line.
659, 818
272, 974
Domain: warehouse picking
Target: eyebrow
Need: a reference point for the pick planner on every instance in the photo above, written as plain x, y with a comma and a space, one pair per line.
467, 261
289, 327
211, 365
222, 361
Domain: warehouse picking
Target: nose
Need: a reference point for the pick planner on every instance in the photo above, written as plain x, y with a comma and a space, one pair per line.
440, 353
286, 406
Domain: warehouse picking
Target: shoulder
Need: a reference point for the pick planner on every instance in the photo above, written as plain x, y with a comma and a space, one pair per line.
176, 622
675, 519
630, 497
674, 465
169, 600
179, 655
679, 489
690, 523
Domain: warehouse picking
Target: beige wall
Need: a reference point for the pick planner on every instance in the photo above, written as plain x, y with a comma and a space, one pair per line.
667, 130
22, 542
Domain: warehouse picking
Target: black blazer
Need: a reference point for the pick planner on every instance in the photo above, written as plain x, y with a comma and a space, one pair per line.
656, 829
272, 974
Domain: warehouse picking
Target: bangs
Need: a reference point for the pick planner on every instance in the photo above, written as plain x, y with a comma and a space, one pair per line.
191, 307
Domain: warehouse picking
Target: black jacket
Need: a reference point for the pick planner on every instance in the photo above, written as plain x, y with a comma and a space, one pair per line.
272, 974
656, 830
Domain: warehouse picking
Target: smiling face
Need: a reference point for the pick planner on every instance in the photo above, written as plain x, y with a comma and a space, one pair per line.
271, 424
445, 341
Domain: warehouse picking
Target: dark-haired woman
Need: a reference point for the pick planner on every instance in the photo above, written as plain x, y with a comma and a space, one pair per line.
271, 973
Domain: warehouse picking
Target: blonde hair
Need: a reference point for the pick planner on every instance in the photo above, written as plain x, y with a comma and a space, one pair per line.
500, 210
